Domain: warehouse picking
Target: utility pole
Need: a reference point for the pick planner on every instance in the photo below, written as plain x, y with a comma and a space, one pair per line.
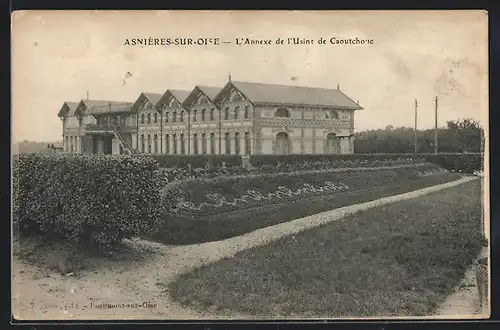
415, 136
436, 126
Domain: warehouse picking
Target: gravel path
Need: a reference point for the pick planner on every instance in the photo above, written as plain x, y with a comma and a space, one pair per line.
464, 302
38, 294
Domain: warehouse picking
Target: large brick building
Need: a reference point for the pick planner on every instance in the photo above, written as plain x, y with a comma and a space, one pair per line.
239, 118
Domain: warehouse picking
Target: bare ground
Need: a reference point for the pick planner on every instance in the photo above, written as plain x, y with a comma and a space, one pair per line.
143, 273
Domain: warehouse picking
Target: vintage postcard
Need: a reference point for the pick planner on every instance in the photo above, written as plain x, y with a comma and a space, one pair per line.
197, 165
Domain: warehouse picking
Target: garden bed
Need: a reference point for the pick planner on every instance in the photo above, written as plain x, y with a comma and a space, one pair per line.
209, 211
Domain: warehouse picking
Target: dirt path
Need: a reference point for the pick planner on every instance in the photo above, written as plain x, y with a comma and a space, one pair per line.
38, 294
464, 302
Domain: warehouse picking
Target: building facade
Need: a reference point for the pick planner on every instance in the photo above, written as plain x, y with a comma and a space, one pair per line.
240, 118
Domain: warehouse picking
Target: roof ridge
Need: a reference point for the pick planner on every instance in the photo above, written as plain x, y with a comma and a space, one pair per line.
282, 85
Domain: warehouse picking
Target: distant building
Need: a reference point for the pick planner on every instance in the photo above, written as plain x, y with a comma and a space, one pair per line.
56, 148
239, 118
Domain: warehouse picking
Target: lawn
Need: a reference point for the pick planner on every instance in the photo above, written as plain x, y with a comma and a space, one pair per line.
402, 259
194, 227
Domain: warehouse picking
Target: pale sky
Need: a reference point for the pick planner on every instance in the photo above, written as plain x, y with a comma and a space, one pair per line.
59, 56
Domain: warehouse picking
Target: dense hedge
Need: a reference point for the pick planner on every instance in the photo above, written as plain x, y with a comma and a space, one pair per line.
197, 161
98, 199
468, 163
261, 160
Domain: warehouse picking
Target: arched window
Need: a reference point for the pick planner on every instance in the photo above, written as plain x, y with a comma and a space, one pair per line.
182, 116
66, 145
227, 138
142, 119
282, 144
174, 141
203, 112
156, 118
332, 144
143, 150
174, 117
237, 143
195, 144
226, 113
166, 117
212, 143
203, 143
149, 118
282, 112
194, 115
236, 110
212, 117
149, 143
183, 145
247, 110
155, 144
247, 143
167, 144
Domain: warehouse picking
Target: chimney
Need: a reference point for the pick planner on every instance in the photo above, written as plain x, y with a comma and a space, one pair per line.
87, 95
229, 76
338, 86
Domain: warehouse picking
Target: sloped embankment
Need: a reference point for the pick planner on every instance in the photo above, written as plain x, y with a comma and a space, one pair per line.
210, 210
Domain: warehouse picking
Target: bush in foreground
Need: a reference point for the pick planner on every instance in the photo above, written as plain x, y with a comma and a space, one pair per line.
99, 199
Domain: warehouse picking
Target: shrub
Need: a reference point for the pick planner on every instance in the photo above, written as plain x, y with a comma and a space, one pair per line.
277, 160
459, 162
197, 161
98, 199
467, 163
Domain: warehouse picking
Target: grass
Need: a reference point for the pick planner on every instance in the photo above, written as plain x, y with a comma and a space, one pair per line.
191, 229
397, 260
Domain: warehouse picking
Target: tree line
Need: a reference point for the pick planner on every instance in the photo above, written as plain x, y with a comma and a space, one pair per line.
459, 136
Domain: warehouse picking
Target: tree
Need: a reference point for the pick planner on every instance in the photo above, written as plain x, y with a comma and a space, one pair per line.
468, 136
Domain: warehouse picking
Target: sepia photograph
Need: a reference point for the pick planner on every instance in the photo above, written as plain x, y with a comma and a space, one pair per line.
250, 165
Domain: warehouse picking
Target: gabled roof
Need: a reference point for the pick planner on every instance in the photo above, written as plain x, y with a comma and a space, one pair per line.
102, 106
153, 98
68, 109
209, 91
179, 95
259, 93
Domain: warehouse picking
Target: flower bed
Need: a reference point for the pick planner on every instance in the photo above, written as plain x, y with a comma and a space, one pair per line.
182, 173
201, 211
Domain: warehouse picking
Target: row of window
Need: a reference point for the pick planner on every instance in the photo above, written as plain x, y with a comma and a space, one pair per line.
150, 144
203, 115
